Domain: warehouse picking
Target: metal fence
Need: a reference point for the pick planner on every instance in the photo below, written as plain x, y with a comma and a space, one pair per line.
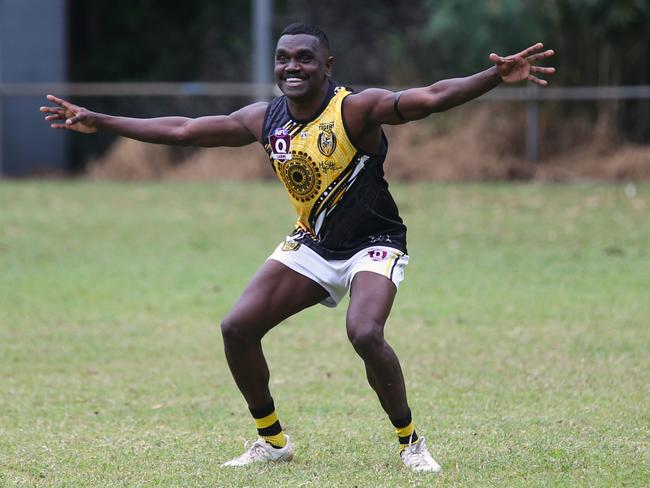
530, 94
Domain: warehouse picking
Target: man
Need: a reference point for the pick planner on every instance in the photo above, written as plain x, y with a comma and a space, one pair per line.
327, 146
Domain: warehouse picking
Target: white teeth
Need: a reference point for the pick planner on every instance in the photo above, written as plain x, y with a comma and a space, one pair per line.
294, 80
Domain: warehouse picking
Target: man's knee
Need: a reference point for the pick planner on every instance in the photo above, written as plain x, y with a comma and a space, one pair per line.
237, 330
229, 330
366, 335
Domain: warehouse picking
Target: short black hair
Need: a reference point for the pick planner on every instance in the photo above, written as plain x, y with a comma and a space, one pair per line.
310, 29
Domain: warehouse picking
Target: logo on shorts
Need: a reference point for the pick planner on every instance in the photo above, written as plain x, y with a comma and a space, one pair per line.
280, 142
290, 245
377, 254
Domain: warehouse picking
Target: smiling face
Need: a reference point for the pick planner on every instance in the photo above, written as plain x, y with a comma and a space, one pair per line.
302, 66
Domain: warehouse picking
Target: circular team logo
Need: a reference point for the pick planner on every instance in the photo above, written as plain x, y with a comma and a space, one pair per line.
301, 177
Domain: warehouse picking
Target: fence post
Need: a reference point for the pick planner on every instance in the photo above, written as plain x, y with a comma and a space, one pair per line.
261, 27
2, 149
532, 125
33, 44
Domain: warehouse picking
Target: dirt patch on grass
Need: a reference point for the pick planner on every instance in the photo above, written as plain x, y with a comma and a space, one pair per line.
133, 160
484, 143
592, 162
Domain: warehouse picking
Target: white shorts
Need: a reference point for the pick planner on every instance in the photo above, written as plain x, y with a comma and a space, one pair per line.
336, 275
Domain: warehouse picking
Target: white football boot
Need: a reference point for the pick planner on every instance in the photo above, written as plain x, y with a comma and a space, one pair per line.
416, 456
263, 452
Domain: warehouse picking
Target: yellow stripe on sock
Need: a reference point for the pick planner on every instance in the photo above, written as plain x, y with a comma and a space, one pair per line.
279, 440
406, 431
267, 421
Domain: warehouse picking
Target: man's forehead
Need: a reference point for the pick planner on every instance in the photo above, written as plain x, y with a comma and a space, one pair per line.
297, 42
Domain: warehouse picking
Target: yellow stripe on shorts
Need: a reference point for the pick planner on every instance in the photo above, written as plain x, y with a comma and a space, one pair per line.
389, 265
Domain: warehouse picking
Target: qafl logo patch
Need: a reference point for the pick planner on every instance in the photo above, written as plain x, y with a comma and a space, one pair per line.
280, 142
326, 139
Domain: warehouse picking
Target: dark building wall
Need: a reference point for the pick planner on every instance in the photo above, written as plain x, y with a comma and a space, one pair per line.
32, 49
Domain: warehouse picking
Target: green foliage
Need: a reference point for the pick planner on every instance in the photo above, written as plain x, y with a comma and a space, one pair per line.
166, 40
589, 35
412, 41
522, 327
602, 42
462, 33
598, 42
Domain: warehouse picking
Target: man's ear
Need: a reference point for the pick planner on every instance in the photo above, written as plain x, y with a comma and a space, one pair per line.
329, 63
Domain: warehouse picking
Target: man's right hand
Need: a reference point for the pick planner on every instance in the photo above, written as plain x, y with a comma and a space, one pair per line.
69, 116
240, 128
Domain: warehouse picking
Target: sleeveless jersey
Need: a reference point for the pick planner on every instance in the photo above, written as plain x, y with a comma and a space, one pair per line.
338, 191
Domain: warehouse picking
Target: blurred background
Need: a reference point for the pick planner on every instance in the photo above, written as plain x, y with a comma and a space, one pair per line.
150, 58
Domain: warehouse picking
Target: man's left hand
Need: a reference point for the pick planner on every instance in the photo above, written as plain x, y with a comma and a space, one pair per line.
522, 66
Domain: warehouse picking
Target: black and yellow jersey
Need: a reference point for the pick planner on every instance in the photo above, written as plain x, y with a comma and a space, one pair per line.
338, 190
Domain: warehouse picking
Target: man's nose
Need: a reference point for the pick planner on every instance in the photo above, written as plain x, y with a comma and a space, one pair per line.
292, 65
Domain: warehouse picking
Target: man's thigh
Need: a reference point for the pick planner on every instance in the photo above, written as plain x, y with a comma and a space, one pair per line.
371, 299
273, 294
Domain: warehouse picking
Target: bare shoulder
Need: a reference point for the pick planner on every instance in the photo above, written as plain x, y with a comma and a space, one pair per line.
252, 111
370, 109
366, 99
252, 117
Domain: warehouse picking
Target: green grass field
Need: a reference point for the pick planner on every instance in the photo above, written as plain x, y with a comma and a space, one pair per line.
523, 327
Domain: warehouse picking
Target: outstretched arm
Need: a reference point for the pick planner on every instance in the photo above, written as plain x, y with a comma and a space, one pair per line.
386, 107
237, 129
